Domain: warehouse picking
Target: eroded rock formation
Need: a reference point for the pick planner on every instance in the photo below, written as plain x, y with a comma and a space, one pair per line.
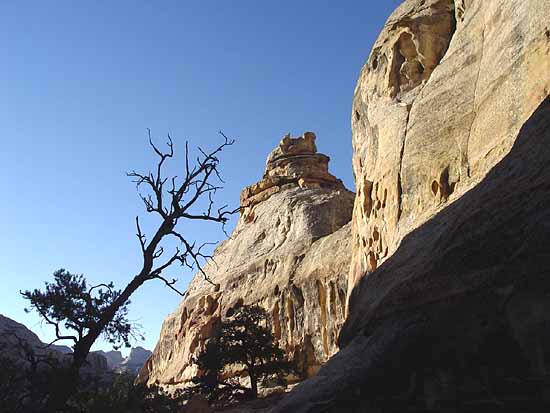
449, 289
290, 253
294, 163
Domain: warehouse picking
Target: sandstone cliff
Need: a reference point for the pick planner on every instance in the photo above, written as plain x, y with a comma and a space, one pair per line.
449, 290
290, 253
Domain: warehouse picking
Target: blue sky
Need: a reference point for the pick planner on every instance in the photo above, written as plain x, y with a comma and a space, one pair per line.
82, 81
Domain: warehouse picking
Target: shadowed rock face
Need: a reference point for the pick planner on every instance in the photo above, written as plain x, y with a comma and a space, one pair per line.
449, 295
14, 337
289, 253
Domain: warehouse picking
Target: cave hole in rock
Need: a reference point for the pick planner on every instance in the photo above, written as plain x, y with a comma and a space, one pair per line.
261, 237
298, 295
435, 188
398, 71
375, 63
410, 63
375, 234
372, 262
445, 187
333, 307
367, 197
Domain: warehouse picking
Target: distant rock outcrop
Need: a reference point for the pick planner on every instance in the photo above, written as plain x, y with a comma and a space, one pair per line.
99, 362
136, 360
289, 253
131, 364
294, 163
114, 358
12, 334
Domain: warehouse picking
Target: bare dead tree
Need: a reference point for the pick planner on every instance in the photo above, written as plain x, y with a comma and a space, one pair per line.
173, 201
91, 312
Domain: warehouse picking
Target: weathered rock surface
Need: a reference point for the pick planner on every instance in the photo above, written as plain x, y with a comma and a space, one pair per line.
439, 102
449, 289
425, 143
290, 253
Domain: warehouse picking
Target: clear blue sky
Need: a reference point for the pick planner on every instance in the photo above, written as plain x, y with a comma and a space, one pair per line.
82, 81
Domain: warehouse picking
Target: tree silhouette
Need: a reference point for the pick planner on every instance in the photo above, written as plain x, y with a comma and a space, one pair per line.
89, 312
245, 340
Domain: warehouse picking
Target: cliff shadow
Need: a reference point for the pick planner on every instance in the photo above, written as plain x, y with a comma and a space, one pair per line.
459, 316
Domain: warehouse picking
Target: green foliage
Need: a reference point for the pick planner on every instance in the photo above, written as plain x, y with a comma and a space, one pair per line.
247, 339
70, 303
244, 340
210, 363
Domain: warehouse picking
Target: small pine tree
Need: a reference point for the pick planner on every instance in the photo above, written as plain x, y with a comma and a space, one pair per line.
246, 340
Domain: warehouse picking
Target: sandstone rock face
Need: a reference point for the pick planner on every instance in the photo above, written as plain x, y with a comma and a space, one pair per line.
449, 296
290, 253
440, 101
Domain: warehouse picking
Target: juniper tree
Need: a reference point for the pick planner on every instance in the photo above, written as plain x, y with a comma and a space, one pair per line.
246, 340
